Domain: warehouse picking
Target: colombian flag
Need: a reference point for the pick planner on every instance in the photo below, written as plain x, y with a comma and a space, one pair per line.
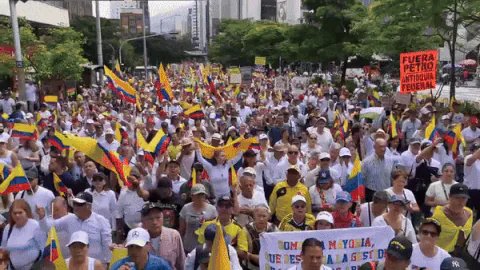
159, 143
355, 185
52, 251
59, 141
232, 176
4, 171
431, 131
393, 126
40, 121
231, 149
59, 185
24, 131
110, 160
165, 89
15, 182
213, 90
123, 89
219, 259
51, 100
195, 112
344, 129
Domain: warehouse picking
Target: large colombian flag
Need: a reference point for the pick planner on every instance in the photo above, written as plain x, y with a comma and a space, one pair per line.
15, 182
165, 91
195, 112
59, 141
24, 131
110, 160
355, 185
122, 88
52, 252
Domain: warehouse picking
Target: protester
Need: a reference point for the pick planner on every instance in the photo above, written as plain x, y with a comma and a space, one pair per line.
193, 214
104, 200
455, 219
164, 242
248, 197
22, 238
426, 254
78, 246
283, 193
342, 216
397, 256
299, 219
129, 205
312, 256
437, 192
97, 227
138, 255
370, 210
324, 221
400, 224
201, 254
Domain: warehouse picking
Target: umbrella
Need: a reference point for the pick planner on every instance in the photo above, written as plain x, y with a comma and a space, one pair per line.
450, 66
468, 62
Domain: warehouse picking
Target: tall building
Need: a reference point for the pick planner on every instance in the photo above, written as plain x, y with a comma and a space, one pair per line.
38, 12
130, 8
131, 21
76, 8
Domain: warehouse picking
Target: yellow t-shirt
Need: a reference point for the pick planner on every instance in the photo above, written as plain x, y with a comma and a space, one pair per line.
173, 151
237, 235
281, 199
288, 225
449, 235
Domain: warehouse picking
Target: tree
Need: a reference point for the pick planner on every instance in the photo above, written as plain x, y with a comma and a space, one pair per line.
227, 47
336, 20
59, 55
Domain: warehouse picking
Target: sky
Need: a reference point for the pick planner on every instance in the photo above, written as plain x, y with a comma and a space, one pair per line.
155, 6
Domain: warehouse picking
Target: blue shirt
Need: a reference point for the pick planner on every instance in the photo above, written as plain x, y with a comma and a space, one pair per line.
153, 263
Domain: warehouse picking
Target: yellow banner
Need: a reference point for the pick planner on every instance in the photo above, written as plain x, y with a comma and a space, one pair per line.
260, 60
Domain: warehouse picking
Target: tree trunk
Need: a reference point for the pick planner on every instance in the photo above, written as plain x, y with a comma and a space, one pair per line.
344, 71
453, 78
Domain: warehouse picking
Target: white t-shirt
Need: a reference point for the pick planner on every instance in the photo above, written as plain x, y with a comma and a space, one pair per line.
439, 192
366, 216
469, 134
406, 194
330, 195
42, 198
407, 227
419, 260
257, 199
129, 206
472, 174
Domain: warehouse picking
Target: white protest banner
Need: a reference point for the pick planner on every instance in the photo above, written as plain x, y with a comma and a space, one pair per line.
372, 112
281, 83
342, 248
236, 78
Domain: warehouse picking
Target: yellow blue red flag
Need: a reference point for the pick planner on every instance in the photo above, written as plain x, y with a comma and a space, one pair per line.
52, 251
15, 182
123, 89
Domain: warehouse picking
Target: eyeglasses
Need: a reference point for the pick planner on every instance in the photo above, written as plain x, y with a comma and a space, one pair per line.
427, 232
293, 153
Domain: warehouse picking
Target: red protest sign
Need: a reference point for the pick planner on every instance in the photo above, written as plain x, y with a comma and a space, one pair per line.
418, 71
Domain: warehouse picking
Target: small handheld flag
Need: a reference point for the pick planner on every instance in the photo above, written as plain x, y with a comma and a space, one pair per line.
52, 251
59, 185
15, 182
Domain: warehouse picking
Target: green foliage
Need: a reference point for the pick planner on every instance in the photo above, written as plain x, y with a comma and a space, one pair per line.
227, 47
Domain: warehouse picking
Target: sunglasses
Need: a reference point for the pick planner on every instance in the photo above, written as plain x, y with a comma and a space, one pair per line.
79, 204
293, 153
427, 232
97, 180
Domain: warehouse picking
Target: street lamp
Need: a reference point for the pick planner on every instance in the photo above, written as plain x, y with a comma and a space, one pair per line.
18, 49
123, 42
99, 39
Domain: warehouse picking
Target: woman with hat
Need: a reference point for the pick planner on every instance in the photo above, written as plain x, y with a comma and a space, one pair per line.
193, 214
455, 219
323, 193
426, 253
324, 221
394, 218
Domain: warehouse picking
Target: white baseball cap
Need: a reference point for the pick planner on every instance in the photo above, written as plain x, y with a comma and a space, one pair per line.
137, 237
344, 152
298, 198
109, 131
90, 121
324, 155
263, 136
4, 137
78, 237
324, 215
249, 170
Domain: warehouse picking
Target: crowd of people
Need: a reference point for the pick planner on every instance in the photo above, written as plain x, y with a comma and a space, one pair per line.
296, 178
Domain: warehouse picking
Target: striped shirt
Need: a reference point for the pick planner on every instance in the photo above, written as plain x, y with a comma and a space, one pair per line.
377, 171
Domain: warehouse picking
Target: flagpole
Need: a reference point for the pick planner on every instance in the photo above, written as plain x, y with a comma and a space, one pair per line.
51, 239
